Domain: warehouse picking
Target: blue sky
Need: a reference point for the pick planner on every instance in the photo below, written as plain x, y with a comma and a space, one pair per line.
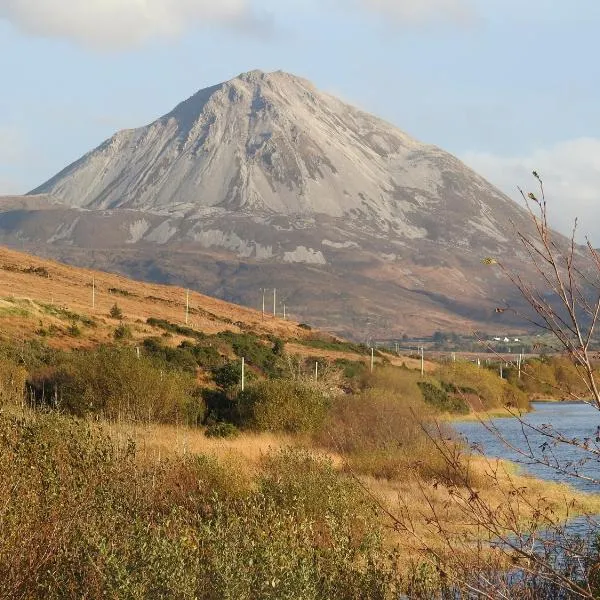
504, 87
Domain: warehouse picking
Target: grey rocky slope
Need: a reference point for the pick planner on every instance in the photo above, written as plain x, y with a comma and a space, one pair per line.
263, 181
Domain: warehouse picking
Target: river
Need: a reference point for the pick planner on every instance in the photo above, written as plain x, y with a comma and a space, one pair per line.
572, 420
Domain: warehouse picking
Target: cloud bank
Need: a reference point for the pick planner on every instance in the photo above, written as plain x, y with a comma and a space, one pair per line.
571, 174
118, 24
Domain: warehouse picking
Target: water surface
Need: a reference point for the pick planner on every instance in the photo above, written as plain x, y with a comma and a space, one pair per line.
572, 420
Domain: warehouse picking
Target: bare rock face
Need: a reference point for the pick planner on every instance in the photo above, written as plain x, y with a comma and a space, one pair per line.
264, 181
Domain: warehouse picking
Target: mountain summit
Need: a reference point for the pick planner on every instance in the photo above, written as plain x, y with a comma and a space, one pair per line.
264, 181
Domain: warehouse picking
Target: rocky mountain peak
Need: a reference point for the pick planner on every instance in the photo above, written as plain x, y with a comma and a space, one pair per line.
265, 169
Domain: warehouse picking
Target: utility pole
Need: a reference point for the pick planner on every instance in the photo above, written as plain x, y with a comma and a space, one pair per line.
454, 357
93, 293
422, 361
284, 316
372, 359
275, 302
187, 306
316, 371
263, 304
501, 372
243, 373
519, 364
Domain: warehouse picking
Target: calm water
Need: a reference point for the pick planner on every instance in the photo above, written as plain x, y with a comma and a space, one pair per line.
571, 420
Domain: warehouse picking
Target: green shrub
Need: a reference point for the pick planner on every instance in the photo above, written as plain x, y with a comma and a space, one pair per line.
487, 385
84, 518
115, 312
179, 358
284, 405
441, 400
73, 330
219, 429
122, 332
254, 350
117, 384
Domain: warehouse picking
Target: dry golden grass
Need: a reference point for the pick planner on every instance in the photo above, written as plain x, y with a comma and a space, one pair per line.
494, 480
71, 288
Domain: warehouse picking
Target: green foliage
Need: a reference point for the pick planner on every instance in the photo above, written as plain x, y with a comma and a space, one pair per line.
254, 350
173, 328
115, 312
74, 330
228, 377
337, 345
352, 369
83, 518
115, 383
441, 400
286, 405
492, 391
122, 332
219, 429
179, 358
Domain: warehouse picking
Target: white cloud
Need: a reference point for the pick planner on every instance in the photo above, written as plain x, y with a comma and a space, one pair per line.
571, 174
421, 11
116, 24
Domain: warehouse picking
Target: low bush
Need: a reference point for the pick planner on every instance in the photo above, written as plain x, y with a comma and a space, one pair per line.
441, 400
285, 405
83, 518
386, 435
122, 332
117, 384
492, 391
220, 429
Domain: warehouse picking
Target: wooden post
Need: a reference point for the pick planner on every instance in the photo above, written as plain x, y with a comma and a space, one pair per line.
243, 373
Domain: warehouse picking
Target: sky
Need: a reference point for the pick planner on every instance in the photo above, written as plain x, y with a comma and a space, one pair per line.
508, 86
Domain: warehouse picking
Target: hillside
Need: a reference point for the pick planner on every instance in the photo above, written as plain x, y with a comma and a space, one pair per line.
264, 181
42, 299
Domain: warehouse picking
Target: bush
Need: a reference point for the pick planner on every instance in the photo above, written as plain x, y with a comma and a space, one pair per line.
285, 405
254, 350
115, 383
441, 400
82, 517
122, 332
492, 391
73, 330
221, 430
115, 312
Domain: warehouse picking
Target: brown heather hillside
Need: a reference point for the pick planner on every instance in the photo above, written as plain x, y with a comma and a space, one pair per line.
44, 291
42, 298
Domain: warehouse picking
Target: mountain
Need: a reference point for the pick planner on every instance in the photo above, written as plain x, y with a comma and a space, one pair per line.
264, 181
